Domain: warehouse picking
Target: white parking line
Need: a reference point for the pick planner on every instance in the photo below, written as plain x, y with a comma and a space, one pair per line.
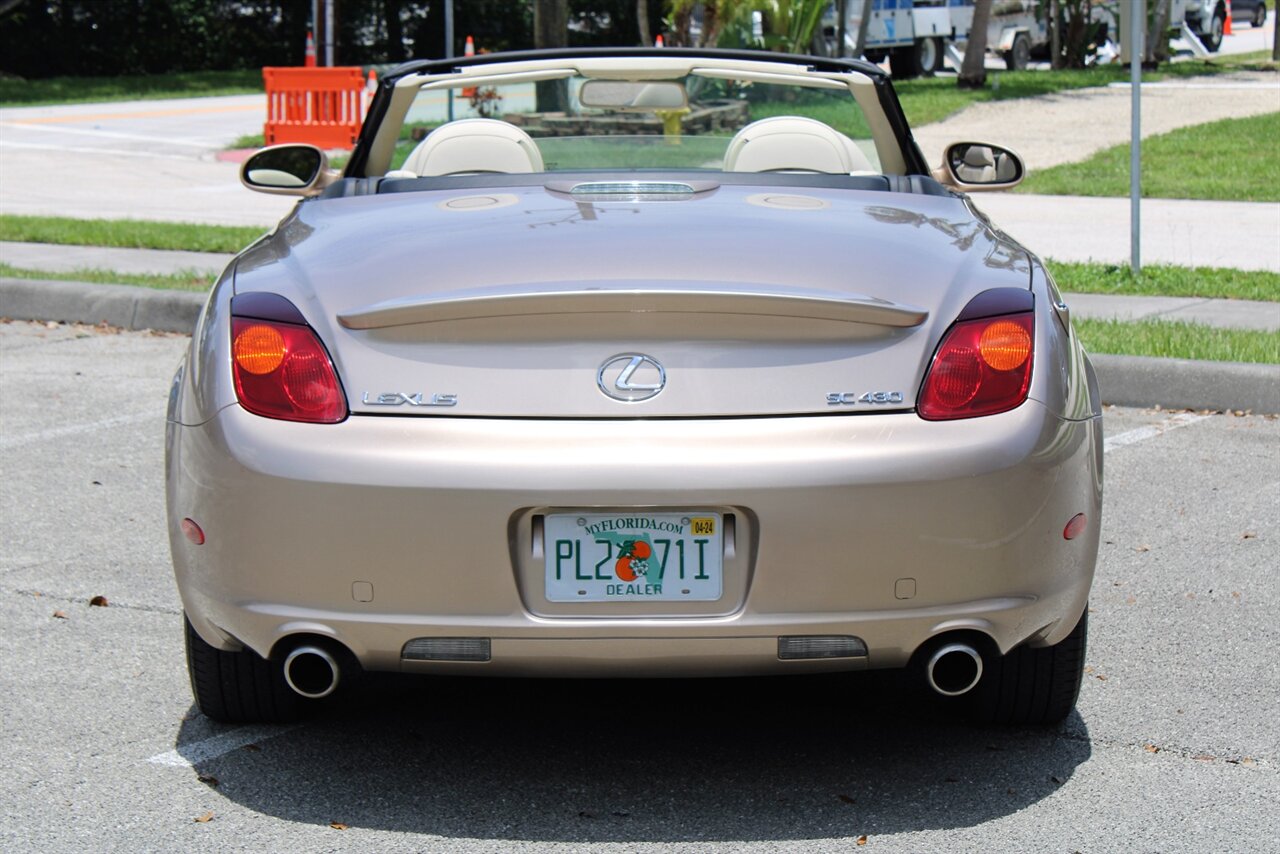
189, 755
107, 152
110, 134
7, 442
1130, 437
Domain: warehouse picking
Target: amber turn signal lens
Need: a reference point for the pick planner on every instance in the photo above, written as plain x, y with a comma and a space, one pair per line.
259, 349
1004, 345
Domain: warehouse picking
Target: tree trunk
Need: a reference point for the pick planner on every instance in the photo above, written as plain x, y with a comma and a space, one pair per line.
860, 47
1055, 35
642, 17
1275, 39
1158, 36
973, 71
395, 30
550, 30
842, 25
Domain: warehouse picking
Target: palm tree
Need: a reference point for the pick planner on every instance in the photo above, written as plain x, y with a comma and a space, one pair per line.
973, 71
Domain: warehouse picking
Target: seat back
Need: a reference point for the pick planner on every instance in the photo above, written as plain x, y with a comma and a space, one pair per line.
793, 144
474, 145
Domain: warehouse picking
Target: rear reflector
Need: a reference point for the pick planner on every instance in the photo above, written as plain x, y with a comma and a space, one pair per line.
820, 646
446, 649
1075, 527
192, 532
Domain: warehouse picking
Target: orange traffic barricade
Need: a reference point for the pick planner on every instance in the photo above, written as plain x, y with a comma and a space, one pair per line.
320, 106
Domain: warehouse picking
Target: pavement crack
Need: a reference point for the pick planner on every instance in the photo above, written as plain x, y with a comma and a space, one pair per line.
1177, 751
85, 600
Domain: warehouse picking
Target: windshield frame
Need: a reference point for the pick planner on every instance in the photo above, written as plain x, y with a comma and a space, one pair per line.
868, 85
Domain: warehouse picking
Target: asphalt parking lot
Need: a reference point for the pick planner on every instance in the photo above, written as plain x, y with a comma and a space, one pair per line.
1174, 746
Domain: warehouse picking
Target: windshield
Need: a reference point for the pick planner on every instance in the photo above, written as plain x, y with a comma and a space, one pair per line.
695, 122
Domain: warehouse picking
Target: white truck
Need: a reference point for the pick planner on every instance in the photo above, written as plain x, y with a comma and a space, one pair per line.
913, 34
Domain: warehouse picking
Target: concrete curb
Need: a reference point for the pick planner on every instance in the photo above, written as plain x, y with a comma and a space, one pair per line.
1187, 384
1125, 380
125, 306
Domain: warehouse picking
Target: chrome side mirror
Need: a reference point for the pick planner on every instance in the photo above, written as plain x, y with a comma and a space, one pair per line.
289, 170
979, 166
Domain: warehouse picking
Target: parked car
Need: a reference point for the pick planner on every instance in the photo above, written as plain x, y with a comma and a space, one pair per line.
1252, 12
685, 364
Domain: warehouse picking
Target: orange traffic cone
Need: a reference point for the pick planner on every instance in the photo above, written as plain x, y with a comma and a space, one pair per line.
469, 49
658, 42
1226, 25
309, 59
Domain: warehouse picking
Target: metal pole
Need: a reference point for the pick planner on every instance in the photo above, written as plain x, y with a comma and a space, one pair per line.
1136, 18
328, 33
448, 47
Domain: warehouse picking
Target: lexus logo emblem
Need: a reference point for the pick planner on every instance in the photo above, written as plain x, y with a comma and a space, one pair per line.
631, 377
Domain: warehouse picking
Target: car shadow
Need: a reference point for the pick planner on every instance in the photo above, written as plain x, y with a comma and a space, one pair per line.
730, 760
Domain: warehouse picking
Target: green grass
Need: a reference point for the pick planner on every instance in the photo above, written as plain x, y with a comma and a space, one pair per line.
73, 90
931, 99
1178, 341
127, 233
1166, 281
1232, 159
251, 140
192, 280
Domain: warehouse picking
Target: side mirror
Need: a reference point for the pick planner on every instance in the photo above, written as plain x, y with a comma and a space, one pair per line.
289, 170
978, 166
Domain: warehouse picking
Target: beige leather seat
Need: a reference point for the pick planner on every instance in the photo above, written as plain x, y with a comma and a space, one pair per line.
468, 146
794, 144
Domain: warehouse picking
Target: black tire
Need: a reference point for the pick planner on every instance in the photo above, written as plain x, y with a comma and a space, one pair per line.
238, 687
1033, 685
1212, 40
1260, 15
903, 63
1019, 55
929, 56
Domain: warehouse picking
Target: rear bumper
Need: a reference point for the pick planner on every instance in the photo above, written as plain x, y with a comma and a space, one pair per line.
886, 528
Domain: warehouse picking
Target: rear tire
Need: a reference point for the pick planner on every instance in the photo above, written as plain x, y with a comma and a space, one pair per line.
1033, 685
1212, 40
1019, 55
1260, 15
237, 687
921, 58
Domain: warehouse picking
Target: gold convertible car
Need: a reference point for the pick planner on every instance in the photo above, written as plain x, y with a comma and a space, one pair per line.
635, 363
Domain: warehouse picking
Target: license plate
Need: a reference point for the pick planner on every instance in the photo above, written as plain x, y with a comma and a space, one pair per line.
634, 557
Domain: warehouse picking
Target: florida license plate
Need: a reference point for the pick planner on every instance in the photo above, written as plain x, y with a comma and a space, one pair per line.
634, 557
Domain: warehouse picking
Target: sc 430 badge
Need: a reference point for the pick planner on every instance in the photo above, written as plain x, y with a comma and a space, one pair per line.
852, 398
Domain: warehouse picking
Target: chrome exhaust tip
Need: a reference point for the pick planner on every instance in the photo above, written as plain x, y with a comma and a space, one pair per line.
954, 669
311, 672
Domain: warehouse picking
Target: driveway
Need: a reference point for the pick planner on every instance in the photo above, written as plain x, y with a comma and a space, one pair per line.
1174, 747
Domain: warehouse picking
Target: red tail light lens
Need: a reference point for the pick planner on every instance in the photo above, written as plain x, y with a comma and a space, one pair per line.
282, 371
982, 367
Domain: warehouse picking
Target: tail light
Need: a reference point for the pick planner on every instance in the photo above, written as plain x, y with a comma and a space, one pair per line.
982, 367
283, 371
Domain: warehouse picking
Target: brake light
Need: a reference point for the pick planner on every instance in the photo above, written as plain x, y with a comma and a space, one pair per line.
283, 371
981, 367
